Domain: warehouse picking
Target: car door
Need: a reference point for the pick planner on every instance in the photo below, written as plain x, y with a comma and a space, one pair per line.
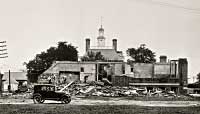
51, 92
44, 91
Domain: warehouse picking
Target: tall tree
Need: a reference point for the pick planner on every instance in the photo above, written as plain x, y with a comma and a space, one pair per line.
92, 56
141, 54
42, 61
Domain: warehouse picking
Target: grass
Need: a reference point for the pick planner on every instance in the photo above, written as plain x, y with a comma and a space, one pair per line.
94, 109
143, 98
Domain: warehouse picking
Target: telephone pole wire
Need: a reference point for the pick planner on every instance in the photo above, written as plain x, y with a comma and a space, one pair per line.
3, 54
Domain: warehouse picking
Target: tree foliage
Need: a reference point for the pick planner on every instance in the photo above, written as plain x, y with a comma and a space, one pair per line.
92, 56
42, 61
141, 54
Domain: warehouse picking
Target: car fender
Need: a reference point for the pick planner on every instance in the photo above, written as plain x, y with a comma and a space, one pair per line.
65, 95
36, 94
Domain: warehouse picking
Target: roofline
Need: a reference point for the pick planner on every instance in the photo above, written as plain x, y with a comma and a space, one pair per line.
87, 62
100, 48
95, 62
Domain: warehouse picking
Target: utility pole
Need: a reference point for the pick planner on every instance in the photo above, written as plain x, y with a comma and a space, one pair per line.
3, 54
1, 75
9, 86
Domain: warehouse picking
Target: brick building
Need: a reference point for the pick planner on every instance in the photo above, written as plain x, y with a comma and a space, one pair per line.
163, 74
109, 52
171, 75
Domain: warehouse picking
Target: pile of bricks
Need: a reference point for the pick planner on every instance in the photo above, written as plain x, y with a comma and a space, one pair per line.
97, 89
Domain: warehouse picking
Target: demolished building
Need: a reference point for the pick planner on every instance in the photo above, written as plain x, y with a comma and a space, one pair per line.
164, 74
168, 75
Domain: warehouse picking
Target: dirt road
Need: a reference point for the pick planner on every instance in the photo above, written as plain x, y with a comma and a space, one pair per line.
115, 101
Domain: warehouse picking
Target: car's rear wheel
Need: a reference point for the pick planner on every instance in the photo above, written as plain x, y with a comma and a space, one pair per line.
66, 99
37, 99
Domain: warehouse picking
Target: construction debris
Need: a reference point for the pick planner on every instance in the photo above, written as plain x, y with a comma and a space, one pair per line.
99, 89
104, 89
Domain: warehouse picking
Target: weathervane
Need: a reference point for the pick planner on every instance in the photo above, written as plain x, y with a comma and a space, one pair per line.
101, 21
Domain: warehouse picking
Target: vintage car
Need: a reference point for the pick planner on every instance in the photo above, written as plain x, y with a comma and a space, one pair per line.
44, 92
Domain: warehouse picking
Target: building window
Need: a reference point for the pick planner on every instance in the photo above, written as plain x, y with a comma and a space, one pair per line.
123, 71
131, 69
82, 69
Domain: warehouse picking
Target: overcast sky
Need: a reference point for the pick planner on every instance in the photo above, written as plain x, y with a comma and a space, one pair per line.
168, 27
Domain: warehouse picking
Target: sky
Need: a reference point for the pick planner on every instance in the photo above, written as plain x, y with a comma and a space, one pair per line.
167, 27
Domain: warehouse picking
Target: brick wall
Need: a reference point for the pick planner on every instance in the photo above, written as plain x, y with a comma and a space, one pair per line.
118, 69
89, 70
140, 70
183, 71
162, 69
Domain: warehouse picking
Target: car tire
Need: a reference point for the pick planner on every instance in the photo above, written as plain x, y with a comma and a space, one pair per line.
42, 101
66, 99
37, 99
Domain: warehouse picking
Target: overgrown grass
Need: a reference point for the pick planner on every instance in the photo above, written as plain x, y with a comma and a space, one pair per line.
97, 109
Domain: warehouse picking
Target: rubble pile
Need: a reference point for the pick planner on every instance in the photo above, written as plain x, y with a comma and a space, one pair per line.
98, 89
80, 89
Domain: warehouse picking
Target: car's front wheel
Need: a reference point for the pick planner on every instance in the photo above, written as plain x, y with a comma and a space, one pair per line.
42, 101
66, 99
37, 99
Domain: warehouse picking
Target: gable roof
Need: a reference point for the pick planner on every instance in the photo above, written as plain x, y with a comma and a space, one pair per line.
109, 54
15, 75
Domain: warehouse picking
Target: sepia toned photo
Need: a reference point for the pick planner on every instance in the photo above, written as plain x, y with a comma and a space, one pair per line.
99, 57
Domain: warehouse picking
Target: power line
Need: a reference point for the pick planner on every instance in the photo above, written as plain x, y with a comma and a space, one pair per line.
3, 46
3, 54
4, 57
195, 10
175, 6
3, 42
3, 49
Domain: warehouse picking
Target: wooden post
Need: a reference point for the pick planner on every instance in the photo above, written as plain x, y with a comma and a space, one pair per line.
0, 84
97, 71
9, 86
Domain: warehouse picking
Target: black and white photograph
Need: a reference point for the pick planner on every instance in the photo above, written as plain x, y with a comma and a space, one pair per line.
99, 57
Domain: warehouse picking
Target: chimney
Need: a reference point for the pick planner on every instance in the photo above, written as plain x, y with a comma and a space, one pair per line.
183, 73
163, 59
115, 44
87, 44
